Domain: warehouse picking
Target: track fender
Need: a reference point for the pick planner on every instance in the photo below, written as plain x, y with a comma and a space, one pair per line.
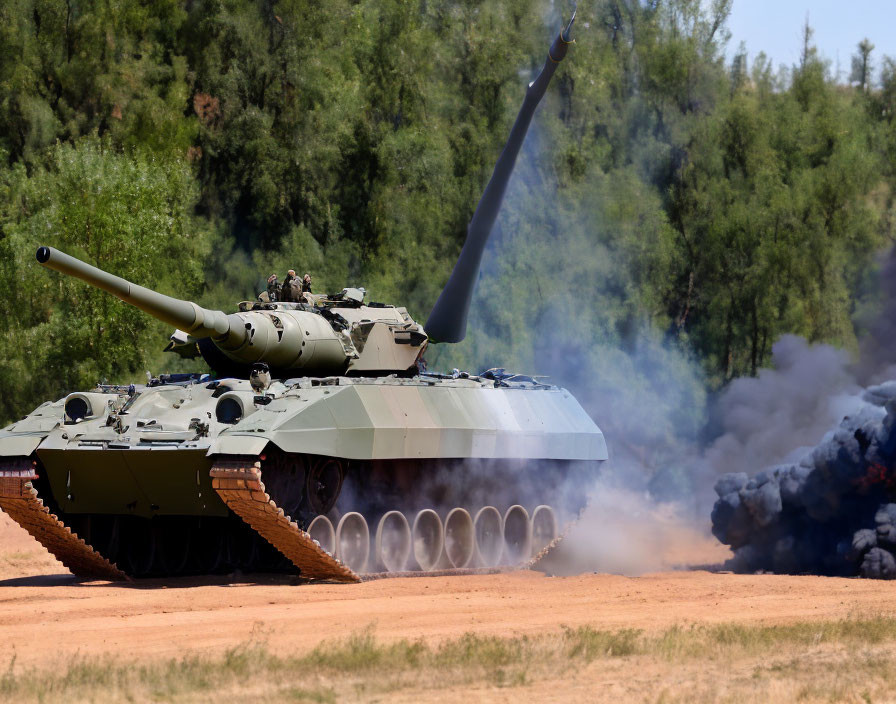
238, 444
19, 445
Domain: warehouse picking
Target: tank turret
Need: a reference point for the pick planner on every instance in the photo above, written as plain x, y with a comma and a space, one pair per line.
328, 335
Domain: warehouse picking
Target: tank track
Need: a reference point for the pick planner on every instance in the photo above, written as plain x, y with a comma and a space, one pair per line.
19, 500
238, 483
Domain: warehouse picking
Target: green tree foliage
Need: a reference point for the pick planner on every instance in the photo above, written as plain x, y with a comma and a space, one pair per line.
770, 205
69, 68
861, 65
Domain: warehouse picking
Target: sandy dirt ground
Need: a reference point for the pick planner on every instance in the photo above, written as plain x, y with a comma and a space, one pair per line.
45, 613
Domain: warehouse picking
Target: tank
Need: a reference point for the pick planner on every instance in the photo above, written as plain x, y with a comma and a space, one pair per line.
317, 444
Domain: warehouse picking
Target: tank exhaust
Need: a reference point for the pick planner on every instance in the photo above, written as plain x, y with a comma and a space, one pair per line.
460, 539
517, 535
428, 539
353, 541
488, 529
544, 527
448, 319
393, 542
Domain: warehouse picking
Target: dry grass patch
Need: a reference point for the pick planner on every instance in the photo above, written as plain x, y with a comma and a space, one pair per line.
844, 660
28, 562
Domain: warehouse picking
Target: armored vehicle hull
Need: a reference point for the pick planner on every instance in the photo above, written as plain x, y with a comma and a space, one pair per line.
142, 474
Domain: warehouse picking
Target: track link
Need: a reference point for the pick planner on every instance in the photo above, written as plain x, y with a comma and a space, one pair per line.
538, 560
535, 561
238, 483
19, 500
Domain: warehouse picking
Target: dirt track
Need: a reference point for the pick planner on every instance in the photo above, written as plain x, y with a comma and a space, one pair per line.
44, 612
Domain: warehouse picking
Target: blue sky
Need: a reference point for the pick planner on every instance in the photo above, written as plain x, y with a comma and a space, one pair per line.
775, 27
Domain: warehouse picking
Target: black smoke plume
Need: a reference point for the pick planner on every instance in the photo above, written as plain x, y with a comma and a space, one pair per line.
830, 512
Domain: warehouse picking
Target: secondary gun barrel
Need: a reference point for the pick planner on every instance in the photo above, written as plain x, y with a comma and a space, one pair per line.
186, 315
448, 319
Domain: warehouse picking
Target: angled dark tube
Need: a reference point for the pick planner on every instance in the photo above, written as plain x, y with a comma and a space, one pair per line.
448, 319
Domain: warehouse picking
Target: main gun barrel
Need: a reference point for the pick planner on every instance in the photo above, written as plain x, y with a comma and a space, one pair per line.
186, 315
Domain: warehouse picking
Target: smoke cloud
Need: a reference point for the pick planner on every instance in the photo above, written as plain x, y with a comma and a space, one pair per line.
776, 416
643, 514
825, 445
828, 513
623, 531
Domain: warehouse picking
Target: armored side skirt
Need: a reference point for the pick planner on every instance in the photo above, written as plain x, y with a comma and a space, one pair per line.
136, 481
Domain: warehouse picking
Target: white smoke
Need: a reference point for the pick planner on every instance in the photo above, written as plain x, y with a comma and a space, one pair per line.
783, 412
629, 532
